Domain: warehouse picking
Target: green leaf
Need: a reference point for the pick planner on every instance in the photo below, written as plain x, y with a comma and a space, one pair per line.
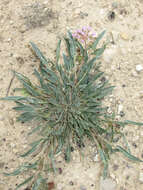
13, 98
99, 52
14, 173
68, 153
72, 45
39, 54
38, 182
27, 84
104, 159
66, 62
127, 122
27, 116
58, 51
25, 182
127, 154
23, 107
34, 147
35, 130
97, 40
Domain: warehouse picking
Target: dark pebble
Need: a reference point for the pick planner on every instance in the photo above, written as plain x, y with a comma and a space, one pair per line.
134, 145
115, 167
27, 188
123, 85
122, 114
103, 79
2, 164
60, 171
127, 177
80, 145
72, 149
71, 183
111, 15
65, 157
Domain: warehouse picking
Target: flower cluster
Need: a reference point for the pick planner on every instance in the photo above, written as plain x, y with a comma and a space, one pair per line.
85, 35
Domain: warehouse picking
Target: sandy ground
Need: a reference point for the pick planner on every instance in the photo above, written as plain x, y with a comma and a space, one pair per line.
43, 22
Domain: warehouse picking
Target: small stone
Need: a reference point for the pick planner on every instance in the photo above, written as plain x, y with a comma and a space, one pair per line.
71, 183
102, 11
15, 150
60, 170
122, 114
82, 187
120, 108
115, 36
111, 15
12, 145
141, 177
109, 54
107, 184
1, 164
134, 145
9, 39
115, 5
124, 36
2, 106
115, 167
134, 74
11, 22
123, 85
11, 121
96, 158
139, 68
1, 118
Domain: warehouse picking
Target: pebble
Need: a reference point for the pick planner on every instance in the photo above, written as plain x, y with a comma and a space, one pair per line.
1, 118
2, 164
141, 177
115, 5
124, 36
120, 108
2, 106
11, 22
115, 36
107, 184
82, 187
109, 54
12, 145
139, 68
115, 167
11, 121
9, 39
96, 158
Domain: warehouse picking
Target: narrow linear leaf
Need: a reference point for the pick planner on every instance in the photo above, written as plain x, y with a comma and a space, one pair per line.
34, 147
39, 54
25, 182
127, 154
133, 123
14, 173
58, 51
97, 40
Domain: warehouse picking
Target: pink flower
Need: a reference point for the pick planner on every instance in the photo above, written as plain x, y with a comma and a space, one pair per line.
84, 35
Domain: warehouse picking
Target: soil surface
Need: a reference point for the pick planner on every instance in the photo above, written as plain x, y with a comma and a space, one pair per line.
43, 22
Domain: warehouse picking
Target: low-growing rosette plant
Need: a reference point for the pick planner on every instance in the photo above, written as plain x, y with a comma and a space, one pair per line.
67, 105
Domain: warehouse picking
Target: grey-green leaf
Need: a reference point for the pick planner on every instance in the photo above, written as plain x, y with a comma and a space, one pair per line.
25, 182
97, 40
127, 154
